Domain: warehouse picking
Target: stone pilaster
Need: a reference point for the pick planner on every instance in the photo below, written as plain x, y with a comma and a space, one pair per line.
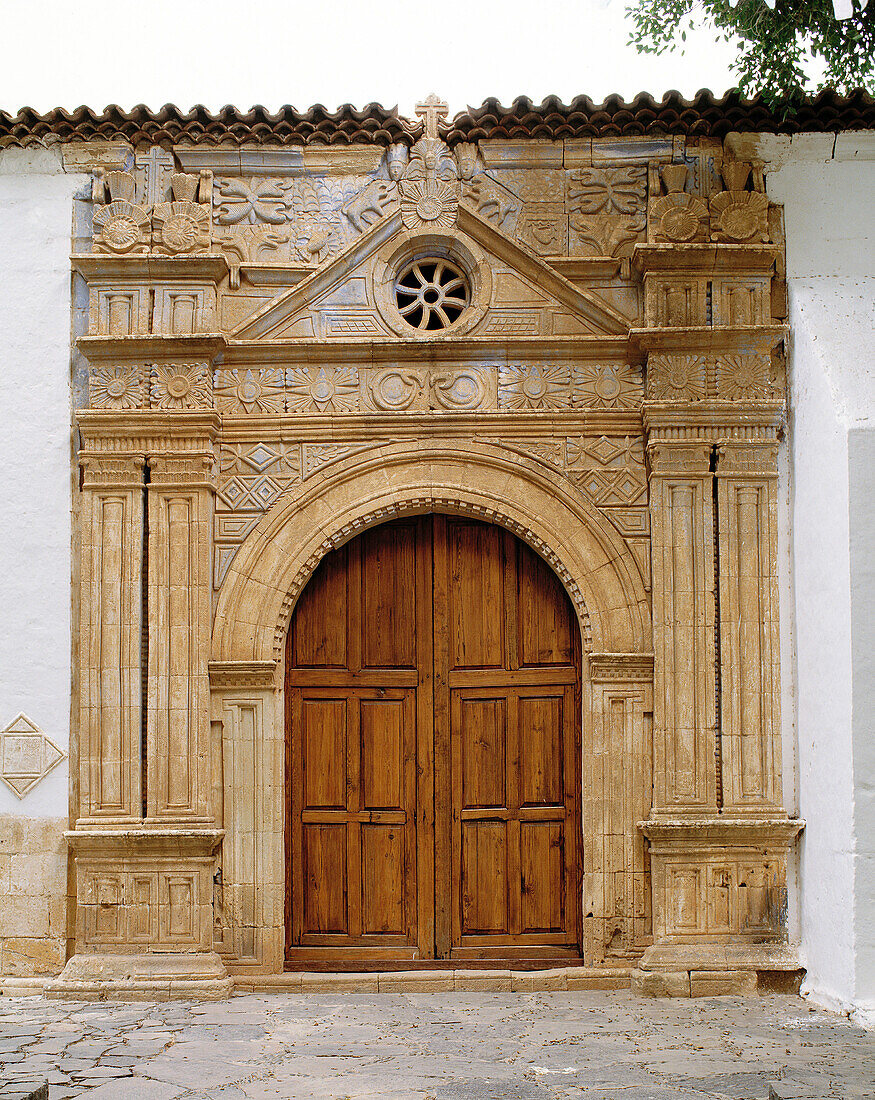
750, 692
178, 720
617, 783
111, 522
684, 776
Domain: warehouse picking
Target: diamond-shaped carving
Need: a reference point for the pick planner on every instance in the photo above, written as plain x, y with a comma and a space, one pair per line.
260, 457
26, 755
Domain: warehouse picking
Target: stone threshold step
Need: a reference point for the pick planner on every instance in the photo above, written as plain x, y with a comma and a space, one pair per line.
434, 981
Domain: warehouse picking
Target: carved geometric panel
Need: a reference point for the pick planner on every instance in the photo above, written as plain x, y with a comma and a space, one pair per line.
26, 755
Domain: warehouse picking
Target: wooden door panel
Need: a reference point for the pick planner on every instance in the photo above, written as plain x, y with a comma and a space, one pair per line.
542, 876
382, 753
353, 864
319, 627
484, 879
384, 869
541, 739
476, 563
545, 627
323, 753
388, 605
324, 875
483, 738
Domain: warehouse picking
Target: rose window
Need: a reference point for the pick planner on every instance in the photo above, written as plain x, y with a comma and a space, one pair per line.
431, 294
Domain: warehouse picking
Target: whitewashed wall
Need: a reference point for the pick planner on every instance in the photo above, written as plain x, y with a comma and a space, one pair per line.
826, 184
35, 456
35, 561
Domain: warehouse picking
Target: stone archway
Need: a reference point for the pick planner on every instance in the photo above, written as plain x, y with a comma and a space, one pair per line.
252, 615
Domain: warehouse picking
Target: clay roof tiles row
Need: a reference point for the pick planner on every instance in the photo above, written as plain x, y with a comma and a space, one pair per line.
702, 116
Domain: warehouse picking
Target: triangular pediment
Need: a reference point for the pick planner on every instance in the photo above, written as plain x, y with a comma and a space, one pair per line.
517, 293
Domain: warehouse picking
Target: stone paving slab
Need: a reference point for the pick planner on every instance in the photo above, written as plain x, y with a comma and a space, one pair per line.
563, 1045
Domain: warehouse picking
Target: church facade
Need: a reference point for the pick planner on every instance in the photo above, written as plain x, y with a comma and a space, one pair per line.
448, 543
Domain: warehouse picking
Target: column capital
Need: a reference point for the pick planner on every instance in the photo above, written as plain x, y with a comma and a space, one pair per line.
112, 471
748, 458
691, 457
196, 470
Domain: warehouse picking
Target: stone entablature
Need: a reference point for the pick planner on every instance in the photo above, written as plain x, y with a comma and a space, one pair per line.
579, 340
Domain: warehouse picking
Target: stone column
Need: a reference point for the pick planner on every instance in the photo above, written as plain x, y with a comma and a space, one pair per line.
750, 692
683, 629
110, 587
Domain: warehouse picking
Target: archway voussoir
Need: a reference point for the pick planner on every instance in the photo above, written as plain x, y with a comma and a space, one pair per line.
465, 477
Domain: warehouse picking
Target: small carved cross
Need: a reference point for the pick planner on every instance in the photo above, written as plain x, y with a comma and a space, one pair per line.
432, 109
155, 165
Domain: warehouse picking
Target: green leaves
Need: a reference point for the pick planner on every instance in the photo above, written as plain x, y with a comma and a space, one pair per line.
779, 47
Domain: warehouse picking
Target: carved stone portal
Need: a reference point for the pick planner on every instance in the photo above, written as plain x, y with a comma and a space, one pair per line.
577, 341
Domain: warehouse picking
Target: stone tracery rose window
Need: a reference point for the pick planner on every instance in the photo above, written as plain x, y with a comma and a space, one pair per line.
431, 293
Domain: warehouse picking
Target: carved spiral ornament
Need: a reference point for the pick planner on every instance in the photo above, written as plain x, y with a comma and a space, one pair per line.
431, 294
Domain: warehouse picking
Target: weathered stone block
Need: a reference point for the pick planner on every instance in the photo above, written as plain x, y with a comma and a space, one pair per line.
660, 983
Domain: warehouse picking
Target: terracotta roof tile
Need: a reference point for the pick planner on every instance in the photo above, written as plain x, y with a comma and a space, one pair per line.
702, 116
373, 125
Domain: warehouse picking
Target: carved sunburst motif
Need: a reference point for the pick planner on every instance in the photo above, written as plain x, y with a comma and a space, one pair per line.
428, 202
181, 386
607, 386
327, 390
182, 226
116, 388
247, 391
741, 377
121, 227
539, 386
676, 377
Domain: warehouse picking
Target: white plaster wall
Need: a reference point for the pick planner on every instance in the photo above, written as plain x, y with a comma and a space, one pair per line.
35, 459
825, 184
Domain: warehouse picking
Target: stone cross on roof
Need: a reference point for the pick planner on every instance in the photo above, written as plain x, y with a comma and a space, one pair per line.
432, 109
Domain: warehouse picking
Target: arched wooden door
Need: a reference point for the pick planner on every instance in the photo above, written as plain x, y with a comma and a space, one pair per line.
433, 753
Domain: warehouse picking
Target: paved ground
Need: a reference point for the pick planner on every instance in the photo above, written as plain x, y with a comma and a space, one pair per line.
437, 1046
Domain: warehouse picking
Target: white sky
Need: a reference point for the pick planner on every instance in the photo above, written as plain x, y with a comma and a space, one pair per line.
57, 53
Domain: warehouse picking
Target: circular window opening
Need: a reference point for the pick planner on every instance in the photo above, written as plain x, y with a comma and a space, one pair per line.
431, 294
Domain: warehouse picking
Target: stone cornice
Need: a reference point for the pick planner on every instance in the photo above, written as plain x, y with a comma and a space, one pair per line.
155, 840
712, 420
685, 340
705, 259
620, 667
446, 350
105, 431
501, 426
736, 832
95, 266
243, 674
151, 348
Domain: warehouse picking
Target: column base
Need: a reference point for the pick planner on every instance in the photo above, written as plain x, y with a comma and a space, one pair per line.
714, 969
175, 976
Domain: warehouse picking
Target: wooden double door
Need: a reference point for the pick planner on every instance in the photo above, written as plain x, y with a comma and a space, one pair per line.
433, 786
